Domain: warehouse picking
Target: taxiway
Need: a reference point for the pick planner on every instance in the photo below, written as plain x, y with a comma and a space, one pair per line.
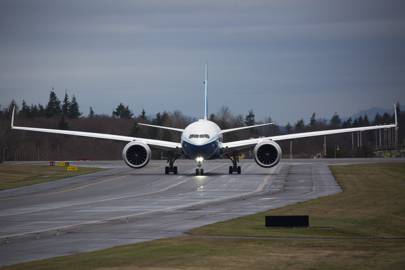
122, 206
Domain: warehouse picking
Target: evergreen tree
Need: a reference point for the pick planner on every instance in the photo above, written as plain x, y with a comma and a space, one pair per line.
136, 130
63, 124
377, 119
53, 107
142, 117
91, 112
10, 108
41, 111
365, 121
34, 110
312, 121
300, 125
347, 123
212, 117
122, 112
355, 122
250, 118
386, 118
360, 121
66, 105
335, 121
25, 110
288, 128
158, 119
73, 111
165, 117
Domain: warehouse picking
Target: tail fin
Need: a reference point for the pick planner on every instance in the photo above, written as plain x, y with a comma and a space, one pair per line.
206, 93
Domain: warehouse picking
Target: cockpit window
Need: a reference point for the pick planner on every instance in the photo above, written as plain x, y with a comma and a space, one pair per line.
192, 136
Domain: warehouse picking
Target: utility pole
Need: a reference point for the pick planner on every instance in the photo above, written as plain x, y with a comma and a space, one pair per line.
375, 138
352, 144
396, 137
388, 138
352, 141
324, 146
290, 149
358, 139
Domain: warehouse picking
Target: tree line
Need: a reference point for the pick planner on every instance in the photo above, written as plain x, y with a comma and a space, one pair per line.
54, 108
66, 114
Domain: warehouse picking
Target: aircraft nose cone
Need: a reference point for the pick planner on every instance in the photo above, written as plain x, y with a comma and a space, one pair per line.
200, 141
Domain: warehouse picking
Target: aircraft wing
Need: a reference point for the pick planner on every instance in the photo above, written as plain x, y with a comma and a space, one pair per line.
164, 145
237, 145
243, 144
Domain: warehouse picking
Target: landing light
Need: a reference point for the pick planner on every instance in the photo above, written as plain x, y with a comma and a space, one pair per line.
199, 159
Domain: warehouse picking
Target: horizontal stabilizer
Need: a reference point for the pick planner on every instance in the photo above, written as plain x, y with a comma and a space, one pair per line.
247, 127
162, 127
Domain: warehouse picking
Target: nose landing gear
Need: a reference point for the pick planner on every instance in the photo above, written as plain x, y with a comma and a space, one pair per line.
199, 170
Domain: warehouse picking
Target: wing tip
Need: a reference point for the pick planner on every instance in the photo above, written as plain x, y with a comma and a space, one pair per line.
395, 114
12, 118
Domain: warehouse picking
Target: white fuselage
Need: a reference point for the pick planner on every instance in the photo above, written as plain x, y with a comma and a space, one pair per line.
201, 139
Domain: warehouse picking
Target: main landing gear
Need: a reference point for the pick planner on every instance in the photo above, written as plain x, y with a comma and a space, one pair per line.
234, 168
171, 169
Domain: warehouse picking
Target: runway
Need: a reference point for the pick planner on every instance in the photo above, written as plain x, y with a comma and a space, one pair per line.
122, 206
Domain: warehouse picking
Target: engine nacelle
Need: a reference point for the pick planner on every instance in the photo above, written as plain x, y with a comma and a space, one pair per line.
267, 153
136, 154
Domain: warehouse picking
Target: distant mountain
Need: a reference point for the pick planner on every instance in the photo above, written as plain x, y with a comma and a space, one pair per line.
372, 112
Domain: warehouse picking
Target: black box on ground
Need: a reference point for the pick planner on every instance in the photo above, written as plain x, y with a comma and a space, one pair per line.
287, 221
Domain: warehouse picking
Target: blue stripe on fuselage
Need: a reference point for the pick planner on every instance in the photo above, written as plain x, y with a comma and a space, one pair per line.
207, 151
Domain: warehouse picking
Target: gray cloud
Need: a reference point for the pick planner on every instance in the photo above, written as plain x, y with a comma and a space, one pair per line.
280, 58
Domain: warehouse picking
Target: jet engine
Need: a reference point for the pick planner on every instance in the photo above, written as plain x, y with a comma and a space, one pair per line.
136, 154
267, 153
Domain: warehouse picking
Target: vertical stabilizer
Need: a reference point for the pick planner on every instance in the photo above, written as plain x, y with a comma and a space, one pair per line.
206, 93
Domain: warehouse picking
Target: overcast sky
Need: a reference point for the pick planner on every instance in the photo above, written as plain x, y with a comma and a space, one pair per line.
284, 59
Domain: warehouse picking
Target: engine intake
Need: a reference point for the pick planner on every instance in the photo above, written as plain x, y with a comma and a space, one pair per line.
136, 154
267, 153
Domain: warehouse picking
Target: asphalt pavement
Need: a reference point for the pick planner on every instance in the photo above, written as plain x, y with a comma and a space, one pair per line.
122, 206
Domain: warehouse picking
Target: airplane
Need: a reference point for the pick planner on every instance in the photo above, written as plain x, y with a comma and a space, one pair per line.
203, 140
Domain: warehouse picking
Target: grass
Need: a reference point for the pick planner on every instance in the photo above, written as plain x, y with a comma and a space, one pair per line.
361, 228
372, 205
13, 176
